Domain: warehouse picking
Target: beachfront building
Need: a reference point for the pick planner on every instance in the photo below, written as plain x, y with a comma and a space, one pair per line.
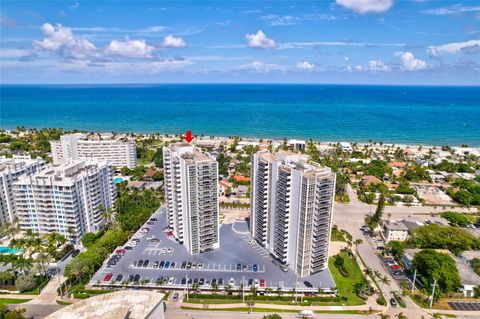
292, 206
11, 169
191, 190
70, 199
120, 152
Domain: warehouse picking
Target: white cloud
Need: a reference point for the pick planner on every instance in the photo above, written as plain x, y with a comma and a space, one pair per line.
454, 47
130, 49
455, 9
260, 67
283, 20
59, 39
377, 66
410, 63
305, 65
365, 6
13, 53
260, 41
171, 41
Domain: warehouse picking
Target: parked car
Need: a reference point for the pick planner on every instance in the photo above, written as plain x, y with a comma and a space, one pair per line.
155, 240
175, 297
308, 284
145, 263
189, 265
200, 265
136, 278
172, 265
184, 281
169, 251
119, 278
171, 280
395, 267
161, 264
231, 282
167, 265
239, 267
75, 253
220, 282
393, 302
250, 282
140, 263
262, 283
201, 281
194, 265
107, 277
155, 264
184, 265
128, 248
120, 251
255, 267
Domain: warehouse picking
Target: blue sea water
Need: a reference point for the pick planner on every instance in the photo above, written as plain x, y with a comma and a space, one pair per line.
397, 114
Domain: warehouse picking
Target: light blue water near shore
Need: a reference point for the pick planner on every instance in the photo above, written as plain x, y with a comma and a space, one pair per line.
397, 114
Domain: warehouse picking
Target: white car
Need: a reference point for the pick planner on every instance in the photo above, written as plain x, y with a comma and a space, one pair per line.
163, 251
171, 280
169, 251
231, 283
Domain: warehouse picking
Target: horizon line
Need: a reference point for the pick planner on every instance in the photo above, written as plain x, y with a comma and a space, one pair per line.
239, 83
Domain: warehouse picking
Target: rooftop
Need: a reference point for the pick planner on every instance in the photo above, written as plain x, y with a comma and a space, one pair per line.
395, 225
128, 304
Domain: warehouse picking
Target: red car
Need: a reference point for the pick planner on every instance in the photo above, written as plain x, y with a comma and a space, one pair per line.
108, 277
120, 251
395, 267
262, 283
145, 229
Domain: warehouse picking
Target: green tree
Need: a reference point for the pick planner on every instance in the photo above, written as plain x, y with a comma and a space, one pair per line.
26, 282
397, 248
272, 316
432, 265
476, 265
456, 219
89, 239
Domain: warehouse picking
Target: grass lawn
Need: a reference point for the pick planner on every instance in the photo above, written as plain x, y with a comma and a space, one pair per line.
345, 284
12, 301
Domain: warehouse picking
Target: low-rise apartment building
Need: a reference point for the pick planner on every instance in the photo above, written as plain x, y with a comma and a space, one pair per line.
120, 152
69, 199
395, 230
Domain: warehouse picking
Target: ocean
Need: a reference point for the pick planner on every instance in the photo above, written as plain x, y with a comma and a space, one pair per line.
392, 114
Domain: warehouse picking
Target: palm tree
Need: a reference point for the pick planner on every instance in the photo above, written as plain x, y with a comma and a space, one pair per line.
384, 280
368, 271
357, 242
377, 274
279, 291
42, 260
384, 316
268, 290
22, 264
401, 316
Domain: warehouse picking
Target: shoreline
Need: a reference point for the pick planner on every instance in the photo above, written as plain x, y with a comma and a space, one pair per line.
254, 138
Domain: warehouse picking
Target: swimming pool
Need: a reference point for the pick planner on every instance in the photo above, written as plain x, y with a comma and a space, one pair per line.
8, 250
117, 180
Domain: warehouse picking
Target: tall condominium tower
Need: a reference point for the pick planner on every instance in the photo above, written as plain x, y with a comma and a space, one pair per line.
119, 152
292, 205
192, 196
69, 199
11, 169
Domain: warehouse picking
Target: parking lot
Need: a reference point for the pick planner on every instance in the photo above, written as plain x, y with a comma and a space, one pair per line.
464, 306
160, 261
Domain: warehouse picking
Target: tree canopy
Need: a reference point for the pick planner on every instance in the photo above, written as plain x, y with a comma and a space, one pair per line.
432, 265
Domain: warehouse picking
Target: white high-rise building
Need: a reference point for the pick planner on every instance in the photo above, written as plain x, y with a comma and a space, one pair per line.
73, 195
191, 190
11, 169
119, 152
292, 206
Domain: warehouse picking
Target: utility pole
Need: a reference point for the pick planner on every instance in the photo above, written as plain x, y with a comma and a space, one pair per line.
433, 292
414, 280
243, 288
186, 278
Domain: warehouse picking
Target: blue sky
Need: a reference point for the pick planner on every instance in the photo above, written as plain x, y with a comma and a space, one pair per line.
343, 41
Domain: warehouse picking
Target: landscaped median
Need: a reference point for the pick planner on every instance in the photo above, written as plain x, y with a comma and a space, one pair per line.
273, 309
